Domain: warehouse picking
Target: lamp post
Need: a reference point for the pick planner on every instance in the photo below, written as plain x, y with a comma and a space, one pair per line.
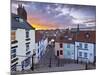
77, 53
86, 66
50, 62
52, 41
32, 68
50, 56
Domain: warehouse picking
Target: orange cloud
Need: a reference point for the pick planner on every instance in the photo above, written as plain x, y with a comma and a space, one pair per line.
40, 25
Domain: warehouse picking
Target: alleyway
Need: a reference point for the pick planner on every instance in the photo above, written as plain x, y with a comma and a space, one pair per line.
48, 59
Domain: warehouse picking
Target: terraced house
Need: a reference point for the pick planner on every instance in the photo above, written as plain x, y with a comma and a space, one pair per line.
85, 50
78, 46
41, 44
22, 42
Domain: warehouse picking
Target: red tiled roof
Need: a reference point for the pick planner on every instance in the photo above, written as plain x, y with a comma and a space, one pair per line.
67, 37
86, 36
81, 36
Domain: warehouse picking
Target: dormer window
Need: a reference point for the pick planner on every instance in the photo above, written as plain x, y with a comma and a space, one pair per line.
19, 19
66, 36
87, 35
69, 38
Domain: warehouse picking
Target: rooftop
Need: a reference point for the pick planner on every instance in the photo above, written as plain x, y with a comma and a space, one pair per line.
18, 23
81, 36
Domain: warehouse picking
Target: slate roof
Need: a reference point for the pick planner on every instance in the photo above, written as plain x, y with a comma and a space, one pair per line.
15, 24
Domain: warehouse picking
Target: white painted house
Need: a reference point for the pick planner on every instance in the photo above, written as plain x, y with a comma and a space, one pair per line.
22, 31
85, 46
76, 46
41, 44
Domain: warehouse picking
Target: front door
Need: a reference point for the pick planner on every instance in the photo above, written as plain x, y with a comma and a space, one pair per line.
57, 52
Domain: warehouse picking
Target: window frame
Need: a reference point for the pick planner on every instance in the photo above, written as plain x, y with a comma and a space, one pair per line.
85, 55
27, 33
80, 54
80, 45
61, 52
27, 46
86, 46
68, 45
61, 45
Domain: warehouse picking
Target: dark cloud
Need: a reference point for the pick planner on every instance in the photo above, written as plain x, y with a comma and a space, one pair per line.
65, 14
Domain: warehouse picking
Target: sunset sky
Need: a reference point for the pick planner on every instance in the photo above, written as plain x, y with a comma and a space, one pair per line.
53, 16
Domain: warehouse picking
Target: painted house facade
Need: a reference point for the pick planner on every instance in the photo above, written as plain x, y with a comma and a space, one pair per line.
76, 46
41, 44
85, 46
22, 31
64, 46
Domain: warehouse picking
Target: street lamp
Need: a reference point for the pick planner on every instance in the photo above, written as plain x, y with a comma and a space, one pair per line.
52, 41
50, 62
86, 66
77, 53
32, 68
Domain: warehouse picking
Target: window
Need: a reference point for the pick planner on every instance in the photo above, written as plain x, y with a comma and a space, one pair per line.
13, 56
13, 36
26, 62
80, 45
80, 54
87, 35
61, 45
13, 68
21, 20
27, 34
18, 19
27, 47
61, 52
68, 53
69, 38
68, 45
28, 53
85, 55
85, 46
13, 53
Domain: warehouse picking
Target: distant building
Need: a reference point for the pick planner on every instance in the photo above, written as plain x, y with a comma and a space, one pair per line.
41, 44
85, 46
22, 41
79, 46
64, 46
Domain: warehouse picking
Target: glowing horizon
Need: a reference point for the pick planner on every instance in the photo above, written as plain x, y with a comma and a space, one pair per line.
56, 16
